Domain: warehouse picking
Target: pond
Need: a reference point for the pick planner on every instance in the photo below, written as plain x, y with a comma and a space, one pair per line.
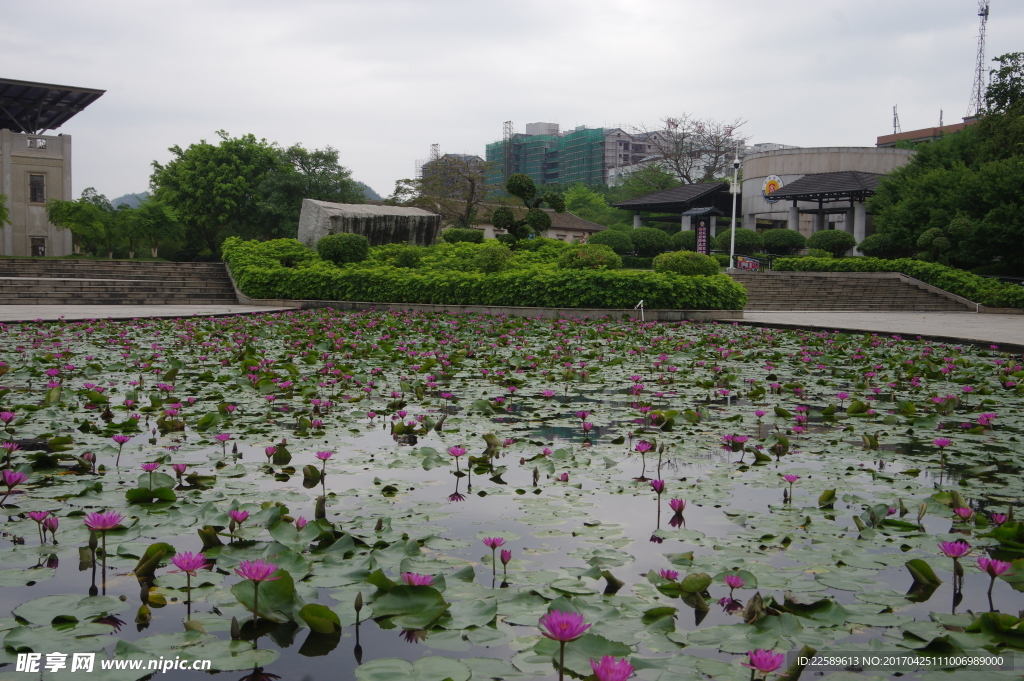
823, 482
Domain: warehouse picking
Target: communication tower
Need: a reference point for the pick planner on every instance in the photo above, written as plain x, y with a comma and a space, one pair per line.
978, 93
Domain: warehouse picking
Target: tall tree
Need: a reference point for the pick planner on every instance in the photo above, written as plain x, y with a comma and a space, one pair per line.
86, 220
153, 223
694, 149
303, 174
215, 189
536, 221
453, 186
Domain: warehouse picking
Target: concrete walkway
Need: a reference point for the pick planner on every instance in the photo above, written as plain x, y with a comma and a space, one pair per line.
1004, 330
49, 313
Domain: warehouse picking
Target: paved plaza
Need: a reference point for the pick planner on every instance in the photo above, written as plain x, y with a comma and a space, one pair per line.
1005, 330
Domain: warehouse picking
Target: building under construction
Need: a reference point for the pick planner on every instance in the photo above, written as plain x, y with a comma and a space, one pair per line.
583, 155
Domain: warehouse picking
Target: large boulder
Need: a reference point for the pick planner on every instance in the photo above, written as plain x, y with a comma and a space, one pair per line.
379, 224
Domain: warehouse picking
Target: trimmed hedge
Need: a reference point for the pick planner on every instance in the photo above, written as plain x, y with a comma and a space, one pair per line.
687, 263
589, 257
684, 240
649, 242
632, 262
259, 274
617, 241
783, 241
343, 248
748, 242
455, 235
835, 241
988, 292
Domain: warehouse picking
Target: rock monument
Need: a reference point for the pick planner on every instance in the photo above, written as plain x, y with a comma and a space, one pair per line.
380, 224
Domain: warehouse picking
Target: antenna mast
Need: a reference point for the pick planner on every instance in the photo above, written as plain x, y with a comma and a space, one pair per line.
978, 93
895, 122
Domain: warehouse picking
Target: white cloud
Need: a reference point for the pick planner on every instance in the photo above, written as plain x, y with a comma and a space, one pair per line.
383, 80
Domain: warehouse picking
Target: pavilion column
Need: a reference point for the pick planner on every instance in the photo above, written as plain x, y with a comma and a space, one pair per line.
819, 222
636, 220
714, 225
794, 219
860, 222
686, 224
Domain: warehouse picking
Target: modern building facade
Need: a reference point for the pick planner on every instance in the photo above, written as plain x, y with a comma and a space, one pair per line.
36, 168
583, 155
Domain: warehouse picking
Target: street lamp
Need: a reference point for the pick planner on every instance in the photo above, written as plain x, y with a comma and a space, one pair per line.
735, 190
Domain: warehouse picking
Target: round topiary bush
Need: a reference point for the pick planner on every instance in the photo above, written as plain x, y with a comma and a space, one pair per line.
818, 253
835, 241
649, 242
454, 235
686, 263
343, 248
613, 239
684, 241
881, 246
748, 241
589, 257
492, 257
783, 241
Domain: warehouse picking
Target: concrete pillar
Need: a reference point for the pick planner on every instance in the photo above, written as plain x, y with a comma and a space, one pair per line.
714, 225
686, 224
819, 222
794, 219
636, 220
860, 224
848, 225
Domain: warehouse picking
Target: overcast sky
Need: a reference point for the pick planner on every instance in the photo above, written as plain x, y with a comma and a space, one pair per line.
381, 80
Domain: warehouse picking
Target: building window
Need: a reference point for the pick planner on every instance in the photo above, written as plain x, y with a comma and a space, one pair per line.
37, 188
36, 143
38, 247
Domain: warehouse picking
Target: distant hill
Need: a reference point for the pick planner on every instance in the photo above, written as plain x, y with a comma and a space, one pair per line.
132, 200
369, 193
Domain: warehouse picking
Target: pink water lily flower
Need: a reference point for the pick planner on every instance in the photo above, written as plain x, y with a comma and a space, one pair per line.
189, 562
764, 661
734, 581
107, 520
677, 505
257, 570
658, 486
955, 549
563, 626
611, 669
670, 575
415, 579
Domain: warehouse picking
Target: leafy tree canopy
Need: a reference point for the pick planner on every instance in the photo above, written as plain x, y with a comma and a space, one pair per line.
966, 190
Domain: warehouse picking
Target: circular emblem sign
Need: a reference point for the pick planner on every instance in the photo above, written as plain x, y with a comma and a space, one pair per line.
772, 184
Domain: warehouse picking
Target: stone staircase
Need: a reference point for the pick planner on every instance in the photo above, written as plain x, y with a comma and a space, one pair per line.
846, 292
38, 281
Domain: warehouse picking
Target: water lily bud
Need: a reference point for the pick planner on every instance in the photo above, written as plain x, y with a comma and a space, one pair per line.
236, 630
359, 602
93, 542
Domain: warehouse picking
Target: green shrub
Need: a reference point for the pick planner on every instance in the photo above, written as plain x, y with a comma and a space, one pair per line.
492, 257
684, 240
259, 274
783, 241
539, 243
649, 242
633, 262
818, 253
343, 248
455, 235
686, 263
397, 255
589, 257
835, 241
990, 292
616, 240
748, 241
722, 258
880, 246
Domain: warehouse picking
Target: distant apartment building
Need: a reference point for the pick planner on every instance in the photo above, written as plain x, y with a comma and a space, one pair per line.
589, 156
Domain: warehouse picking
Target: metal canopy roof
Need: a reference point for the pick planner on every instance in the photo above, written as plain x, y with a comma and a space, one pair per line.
847, 185
36, 107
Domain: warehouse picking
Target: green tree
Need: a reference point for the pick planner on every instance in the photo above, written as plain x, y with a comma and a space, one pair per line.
5, 214
976, 175
217, 190
647, 179
536, 221
86, 217
153, 224
299, 174
454, 187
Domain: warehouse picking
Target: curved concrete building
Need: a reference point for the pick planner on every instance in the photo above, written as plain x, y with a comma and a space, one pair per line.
811, 189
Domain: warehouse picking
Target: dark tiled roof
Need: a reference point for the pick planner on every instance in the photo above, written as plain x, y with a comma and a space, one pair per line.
697, 212
829, 185
34, 107
685, 193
